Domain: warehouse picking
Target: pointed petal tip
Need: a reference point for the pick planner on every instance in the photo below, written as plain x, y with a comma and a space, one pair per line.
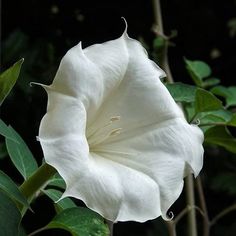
79, 46
125, 34
46, 87
77, 49
168, 216
126, 25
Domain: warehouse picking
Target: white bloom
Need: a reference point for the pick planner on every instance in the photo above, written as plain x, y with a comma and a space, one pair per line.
115, 134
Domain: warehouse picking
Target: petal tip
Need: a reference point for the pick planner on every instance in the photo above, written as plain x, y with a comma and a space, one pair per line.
126, 27
168, 216
46, 87
79, 47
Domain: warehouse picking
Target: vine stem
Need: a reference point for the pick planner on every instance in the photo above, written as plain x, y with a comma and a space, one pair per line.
192, 223
160, 32
185, 211
206, 221
223, 213
171, 228
189, 179
158, 15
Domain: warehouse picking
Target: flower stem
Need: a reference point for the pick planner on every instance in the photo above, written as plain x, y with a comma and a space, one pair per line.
206, 221
33, 184
171, 228
192, 224
223, 213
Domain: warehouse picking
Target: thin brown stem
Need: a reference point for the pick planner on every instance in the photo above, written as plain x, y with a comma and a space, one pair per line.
223, 213
158, 15
160, 33
206, 221
182, 214
185, 211
171, 228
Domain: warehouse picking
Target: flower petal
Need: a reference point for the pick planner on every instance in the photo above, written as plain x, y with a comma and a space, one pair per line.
115, 134
165, 153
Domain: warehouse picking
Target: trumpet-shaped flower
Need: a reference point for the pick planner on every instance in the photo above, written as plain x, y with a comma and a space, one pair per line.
115, 134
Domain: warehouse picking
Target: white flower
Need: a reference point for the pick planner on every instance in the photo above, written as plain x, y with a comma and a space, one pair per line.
114, 133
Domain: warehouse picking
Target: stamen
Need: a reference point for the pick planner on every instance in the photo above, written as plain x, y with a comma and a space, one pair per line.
114, 118
91, 132
99, 135
115, 132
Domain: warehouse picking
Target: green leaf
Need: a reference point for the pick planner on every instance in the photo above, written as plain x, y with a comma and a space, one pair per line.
182, 92
222, 116
221, 91
10, 216
225, 182
159, 43
80, 221
232, 122
62, 204
206, 101
211, 118
8, 79
229, 93
220, 135
210, 82
3, 151
20, 155
22, 231
198, 70
7, 185
57, 181
189, 111
5, 131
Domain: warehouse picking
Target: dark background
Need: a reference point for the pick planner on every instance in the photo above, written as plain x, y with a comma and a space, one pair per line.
42, 32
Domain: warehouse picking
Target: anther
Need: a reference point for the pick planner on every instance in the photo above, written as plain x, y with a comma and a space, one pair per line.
114, 118
115, 132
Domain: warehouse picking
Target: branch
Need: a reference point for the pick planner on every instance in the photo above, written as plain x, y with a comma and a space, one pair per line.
223, 213
206, 222
185, 211
159, 31
171, 228
192, 223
